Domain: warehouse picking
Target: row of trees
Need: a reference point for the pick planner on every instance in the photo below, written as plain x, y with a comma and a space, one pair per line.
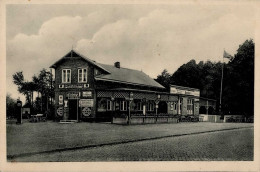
42, 85
238, 80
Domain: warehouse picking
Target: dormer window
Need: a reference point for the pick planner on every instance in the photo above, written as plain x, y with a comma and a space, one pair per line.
82, 75
66, 75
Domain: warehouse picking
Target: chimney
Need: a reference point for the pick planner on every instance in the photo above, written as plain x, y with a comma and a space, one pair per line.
117, 64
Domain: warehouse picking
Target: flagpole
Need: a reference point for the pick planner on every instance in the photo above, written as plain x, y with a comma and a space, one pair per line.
221, 84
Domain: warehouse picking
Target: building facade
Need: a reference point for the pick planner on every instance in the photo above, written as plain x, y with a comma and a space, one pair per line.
87, 90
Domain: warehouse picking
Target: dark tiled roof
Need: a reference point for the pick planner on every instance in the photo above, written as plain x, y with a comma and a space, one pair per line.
130, 76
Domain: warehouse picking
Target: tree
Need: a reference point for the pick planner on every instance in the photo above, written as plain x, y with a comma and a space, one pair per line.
45, 86
42, 84
164, 78
23, 87
10, 106
238, 80
187, 75
241, 99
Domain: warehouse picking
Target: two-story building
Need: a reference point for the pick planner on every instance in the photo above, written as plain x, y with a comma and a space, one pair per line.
87, 90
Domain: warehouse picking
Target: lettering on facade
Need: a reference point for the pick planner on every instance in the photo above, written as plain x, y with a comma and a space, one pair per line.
87, 94
73, 95
73, 85
183, 91
86, 102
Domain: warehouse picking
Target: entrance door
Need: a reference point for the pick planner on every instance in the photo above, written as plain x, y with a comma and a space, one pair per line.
162, 107
73, 105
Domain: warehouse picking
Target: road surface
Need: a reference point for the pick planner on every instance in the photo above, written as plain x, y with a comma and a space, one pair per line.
228, 145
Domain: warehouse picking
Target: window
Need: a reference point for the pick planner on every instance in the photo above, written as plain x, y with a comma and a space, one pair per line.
101, 104
190, 106
175, 105
139, 106
123, 105
109, 105
180, 105
82, 75
151, 107
66, 75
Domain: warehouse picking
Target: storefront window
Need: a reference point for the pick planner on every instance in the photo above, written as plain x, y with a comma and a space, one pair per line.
180, 105
190, 106
66, 75
175, 105
151, 107
139, 106
102, 104
109, 105
123, 105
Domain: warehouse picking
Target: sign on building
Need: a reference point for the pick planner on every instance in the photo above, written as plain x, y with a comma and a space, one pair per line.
86, 103
87, 94
86, 111
60, 111
73, 95
60, 99
74, 86
184, 91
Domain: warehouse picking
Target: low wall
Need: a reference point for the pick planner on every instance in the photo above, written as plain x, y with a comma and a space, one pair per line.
210, 118
203, 117
145, 120
119, 120
235, 118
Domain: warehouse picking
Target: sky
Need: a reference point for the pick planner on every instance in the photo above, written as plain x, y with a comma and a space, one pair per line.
147, 37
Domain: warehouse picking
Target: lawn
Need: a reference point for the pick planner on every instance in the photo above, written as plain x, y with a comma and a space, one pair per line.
47, 136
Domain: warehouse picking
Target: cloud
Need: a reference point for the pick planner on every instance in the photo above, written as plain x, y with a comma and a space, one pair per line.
156, 40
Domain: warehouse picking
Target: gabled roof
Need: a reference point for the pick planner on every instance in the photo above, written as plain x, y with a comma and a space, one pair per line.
127, 76
114, 74
72, 54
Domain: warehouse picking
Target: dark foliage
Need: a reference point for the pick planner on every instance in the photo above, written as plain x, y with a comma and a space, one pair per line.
41, 84
238, 80
10, 106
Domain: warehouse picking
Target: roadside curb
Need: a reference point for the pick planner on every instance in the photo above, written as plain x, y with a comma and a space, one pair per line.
10, 157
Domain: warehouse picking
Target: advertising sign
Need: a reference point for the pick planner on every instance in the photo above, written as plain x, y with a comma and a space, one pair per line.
173, 90
73, 95
87, 93
86, 111
73, 85
60, 99
65, 103
60, 111
19, 103
86, 102
179, 91
184, 91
